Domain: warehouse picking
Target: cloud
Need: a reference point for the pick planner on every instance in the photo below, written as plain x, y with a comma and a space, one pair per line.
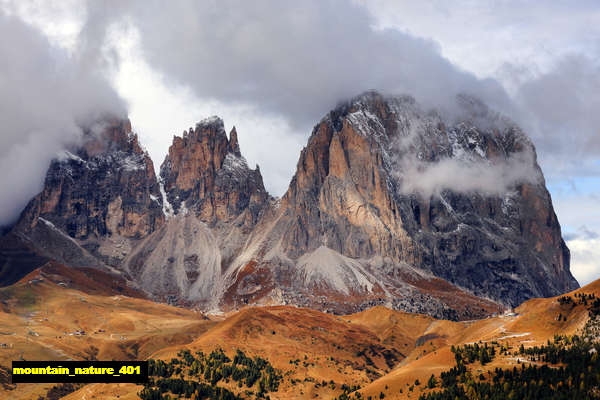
288, 59
552, 78
521, 32
583, 233
460, 163
465, 176
585, 259
45, 98
559, 109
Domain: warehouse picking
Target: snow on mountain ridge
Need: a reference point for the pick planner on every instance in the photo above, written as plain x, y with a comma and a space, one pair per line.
422, 145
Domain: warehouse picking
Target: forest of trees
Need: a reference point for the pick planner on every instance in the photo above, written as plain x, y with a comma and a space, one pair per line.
586, 299
196, 376
470, 353
571, 371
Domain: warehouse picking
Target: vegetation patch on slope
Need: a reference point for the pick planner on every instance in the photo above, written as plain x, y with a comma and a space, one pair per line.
199, 376
566, 368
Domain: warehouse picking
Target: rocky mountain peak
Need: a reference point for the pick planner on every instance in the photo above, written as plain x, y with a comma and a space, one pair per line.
109, 135
104, 188
206, 173
390, 204
382, 176
234, 146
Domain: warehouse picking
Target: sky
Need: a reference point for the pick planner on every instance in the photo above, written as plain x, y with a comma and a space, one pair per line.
274, 68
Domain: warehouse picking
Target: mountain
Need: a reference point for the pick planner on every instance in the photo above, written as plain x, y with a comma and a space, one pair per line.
212, 200
205, 173
347, 232
346, 225
97, 200
379, 212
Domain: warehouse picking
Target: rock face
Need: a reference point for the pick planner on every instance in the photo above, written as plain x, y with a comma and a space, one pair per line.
390, 204
104, 189
205, 173
215, 201
348, 196
354, 222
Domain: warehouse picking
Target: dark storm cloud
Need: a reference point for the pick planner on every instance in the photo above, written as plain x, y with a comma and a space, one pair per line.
45, 96
291, 59
298, 59
286, 59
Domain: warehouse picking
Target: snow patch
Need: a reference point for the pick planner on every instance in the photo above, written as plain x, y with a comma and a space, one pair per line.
50, 224
366, 123
67, 155
183, 210
480, 151
209, 120
167, 207
508, 202
132, 163
235, 166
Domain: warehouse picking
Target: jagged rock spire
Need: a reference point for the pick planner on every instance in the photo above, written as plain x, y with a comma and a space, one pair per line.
234, 146
205, 172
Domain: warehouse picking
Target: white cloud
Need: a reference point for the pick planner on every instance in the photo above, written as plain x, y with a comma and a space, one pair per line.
179, 109
46, 97
585, 259
531, 33
464, 176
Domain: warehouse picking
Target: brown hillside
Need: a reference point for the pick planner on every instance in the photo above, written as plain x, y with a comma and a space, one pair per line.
379, 349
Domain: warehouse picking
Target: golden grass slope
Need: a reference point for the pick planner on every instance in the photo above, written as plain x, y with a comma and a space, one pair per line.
40, 320
532, 323
380, 350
